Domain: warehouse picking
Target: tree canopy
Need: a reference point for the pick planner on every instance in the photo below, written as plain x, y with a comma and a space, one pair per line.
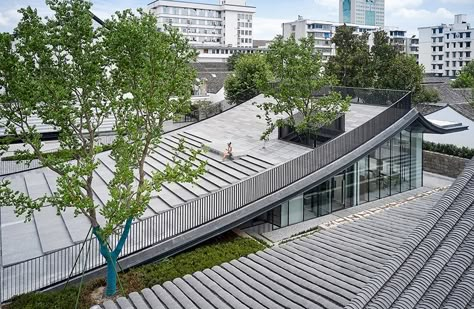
242, 85
466, 77
297, 74
73, 76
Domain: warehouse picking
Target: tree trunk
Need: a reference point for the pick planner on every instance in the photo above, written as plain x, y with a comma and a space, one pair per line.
112, 256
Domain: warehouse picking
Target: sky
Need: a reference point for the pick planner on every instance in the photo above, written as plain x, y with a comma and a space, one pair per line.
405, 14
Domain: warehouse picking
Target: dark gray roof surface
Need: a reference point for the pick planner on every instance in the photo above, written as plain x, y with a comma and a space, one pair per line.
324, 270
434, 268
449, 95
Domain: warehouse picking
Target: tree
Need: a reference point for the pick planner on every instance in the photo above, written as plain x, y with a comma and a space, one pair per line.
351, 64
466, 77
232, 60
404, 73
242, 86
298, 74
73, 76
383, 57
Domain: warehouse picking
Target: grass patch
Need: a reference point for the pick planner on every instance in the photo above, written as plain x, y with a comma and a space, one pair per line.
216, 251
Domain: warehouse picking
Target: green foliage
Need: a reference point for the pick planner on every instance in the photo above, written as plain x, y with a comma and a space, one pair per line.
215, 252
466, 78
426, 95
64, 153
232, 61
381, 67
448, 149
351, 64
73, 76
297, 74
242, 85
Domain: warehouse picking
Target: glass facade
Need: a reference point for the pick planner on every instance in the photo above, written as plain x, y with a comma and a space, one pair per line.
346, 11
396, 166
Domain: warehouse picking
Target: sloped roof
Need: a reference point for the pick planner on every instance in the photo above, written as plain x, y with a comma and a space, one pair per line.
324, 270
434, 268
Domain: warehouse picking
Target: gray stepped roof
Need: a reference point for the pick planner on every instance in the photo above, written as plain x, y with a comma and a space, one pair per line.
47, 232
324, 270
434, 268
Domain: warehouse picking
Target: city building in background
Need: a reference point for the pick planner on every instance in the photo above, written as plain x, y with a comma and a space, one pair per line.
362, 12
322, 31
445, 49
401, 41
215, 30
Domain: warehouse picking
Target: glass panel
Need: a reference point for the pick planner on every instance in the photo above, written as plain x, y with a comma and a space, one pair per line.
310, 207
276, 217
416, 160
363, 183
323, 200
385, 163
295, 214
337, 192
374, 174
350, 188
395, 171
405, 161
284, 214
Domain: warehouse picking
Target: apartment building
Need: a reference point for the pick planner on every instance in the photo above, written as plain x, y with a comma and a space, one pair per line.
445, 49
322, 31
226, 24
362, 12
402, 41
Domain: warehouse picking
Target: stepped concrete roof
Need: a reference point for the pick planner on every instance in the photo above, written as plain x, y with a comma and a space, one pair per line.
48, 232
434, 268
324, 270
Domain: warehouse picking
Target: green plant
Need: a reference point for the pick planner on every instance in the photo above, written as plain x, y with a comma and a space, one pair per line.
466, 78
73, 76
452, 150
425, 95
297, 73
242, 85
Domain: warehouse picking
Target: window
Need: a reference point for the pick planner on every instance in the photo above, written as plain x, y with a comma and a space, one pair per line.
461, 45
468, 44
440, 48
454, 54
454, 45
440, 39
447, 45
461, 35
434, 67
468, 34
447, 36
440, 30
440, 57
440, 66
434, 58
468, 54
447, 63
434, 31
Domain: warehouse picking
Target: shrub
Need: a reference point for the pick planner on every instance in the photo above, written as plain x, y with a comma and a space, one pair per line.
426, 95
452, 150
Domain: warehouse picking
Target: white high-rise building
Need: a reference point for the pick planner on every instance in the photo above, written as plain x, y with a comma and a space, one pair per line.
362, 12
227, 24
446, 49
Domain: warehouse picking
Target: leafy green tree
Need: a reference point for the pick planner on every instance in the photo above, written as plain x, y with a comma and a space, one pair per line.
297, 74
425, 95
466, 77
241, 86
232, 60
404, 73
73, 76
352, 63
383, 57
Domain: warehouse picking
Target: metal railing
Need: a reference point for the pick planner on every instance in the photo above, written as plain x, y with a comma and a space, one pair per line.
55, 267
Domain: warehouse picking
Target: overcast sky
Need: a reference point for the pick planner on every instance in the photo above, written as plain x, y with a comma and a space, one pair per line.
406, 14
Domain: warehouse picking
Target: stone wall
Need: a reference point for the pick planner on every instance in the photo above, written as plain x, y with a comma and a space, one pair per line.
442, 164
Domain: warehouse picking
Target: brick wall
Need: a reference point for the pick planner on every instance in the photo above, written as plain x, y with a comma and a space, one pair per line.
442, 164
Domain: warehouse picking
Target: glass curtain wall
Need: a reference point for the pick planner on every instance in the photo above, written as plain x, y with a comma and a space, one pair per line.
394, 167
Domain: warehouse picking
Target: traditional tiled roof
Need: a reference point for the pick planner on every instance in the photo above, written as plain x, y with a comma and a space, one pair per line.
434, 268
324, 270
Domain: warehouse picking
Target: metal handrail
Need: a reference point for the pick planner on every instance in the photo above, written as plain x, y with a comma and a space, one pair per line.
53, 268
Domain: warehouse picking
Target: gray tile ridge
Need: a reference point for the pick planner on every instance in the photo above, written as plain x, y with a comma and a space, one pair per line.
421, 232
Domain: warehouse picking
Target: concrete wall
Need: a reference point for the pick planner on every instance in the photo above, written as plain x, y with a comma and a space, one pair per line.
442, 164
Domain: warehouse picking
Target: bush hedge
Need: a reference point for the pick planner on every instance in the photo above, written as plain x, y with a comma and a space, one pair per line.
224, 248
452, 150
